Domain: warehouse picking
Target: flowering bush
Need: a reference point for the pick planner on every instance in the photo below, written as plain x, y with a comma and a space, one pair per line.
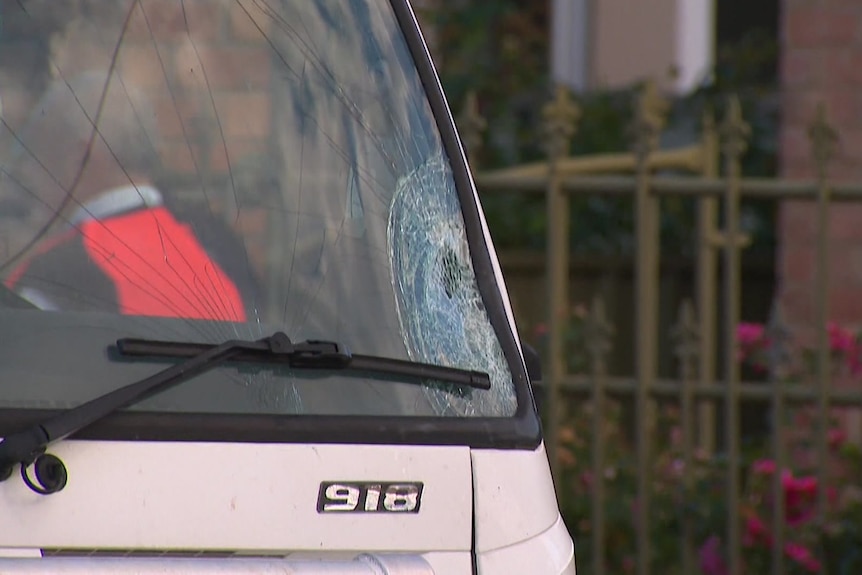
694, 499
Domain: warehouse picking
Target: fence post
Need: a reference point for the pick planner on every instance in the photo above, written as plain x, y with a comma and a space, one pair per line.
707, 264
779, 357
823, 139
598, 340
559, 118
735, 133
648, 122
686, 337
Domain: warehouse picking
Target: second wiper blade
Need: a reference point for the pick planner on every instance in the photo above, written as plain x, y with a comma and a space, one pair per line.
312, 354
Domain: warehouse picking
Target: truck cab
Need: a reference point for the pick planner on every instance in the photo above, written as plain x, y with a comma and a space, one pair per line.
251, 316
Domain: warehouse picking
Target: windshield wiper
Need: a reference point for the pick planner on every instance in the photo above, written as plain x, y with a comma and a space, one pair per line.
27, 447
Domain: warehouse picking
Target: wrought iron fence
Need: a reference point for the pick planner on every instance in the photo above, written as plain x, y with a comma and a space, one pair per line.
702, 386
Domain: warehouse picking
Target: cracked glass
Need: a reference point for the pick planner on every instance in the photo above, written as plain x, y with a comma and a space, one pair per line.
203, 170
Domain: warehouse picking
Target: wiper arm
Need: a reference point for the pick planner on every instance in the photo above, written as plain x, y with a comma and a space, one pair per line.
27, 447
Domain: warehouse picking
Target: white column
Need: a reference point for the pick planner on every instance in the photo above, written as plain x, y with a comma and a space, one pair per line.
695, 43
570, 43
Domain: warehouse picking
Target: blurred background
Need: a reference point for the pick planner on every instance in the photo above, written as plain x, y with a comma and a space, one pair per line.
672, 189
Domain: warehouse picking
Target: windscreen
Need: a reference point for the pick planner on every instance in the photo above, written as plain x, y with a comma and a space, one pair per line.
203, 170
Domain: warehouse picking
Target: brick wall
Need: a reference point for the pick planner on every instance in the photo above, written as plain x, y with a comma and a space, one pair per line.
821, 61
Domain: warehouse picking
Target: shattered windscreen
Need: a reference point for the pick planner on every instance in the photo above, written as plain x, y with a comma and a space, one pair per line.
203, 170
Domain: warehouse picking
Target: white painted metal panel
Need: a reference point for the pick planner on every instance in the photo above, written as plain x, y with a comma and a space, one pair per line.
207, 496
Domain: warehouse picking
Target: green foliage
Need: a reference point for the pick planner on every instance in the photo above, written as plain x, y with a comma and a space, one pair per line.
500, 50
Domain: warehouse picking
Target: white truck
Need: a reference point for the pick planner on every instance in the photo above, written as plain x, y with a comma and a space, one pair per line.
251, 317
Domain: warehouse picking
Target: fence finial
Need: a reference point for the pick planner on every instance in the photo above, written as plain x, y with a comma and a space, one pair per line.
651, 110
735, 131
686, 338
823, 138
472, 125
598, 333
560, 117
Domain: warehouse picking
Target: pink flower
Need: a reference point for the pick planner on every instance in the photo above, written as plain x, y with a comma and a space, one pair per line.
628, 565
763, 467
749, 334
837, 437
711, 561
803, 556
751, 337
756, 533
800, 496
540, 330
840, 339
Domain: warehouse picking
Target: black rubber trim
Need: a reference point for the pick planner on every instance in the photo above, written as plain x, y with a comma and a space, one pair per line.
484, 433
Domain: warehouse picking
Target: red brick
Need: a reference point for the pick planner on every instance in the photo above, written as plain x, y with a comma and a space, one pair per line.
240, 151
797, 224
821, 62
16, 105
139, 65
226, 66
797, 303
848, 156
845, 265
844, 169
205, 17
172, 113
177, 157
798, 265
801, 68
138, 29
248, 22
844, 68
165, 20
795, 169
798, 107
795, 147
845, 223
796, 221
243, 115
845, 303
843, 106
820, 25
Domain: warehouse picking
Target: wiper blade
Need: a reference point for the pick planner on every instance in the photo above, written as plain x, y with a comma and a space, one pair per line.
27, 447
312, 354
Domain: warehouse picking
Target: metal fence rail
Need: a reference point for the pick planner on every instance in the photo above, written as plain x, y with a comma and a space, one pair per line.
700, 383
